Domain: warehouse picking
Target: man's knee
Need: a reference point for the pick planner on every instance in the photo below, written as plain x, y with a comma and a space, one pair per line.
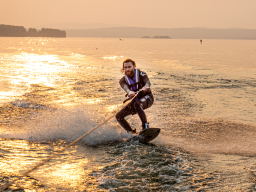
118, 116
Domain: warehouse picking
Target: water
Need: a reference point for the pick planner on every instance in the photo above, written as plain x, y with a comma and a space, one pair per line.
52, 91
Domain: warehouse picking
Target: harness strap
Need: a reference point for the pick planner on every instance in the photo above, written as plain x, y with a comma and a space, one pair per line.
133, 83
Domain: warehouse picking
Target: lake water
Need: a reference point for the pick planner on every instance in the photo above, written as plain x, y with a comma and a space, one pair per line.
54, 90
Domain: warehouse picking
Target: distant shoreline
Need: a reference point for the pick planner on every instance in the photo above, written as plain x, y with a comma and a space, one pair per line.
131, 32
20, 31
157, 37
134, 38
173, 33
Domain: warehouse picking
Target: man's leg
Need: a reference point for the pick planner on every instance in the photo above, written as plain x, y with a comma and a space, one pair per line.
143, 103
141, 113
127, 110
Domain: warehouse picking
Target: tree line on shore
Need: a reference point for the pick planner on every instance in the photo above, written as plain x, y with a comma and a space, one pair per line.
20, 31
158, 37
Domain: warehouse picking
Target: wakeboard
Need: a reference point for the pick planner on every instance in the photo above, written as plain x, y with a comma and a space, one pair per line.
147, 135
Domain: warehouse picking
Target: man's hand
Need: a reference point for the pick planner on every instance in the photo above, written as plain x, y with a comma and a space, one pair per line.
144, 89
131, 94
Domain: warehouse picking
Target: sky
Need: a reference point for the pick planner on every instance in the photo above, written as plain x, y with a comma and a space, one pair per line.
134, 13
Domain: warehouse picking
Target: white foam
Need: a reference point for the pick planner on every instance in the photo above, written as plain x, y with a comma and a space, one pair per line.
69, 125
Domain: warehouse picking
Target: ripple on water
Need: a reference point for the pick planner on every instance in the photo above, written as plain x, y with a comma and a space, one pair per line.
137, 167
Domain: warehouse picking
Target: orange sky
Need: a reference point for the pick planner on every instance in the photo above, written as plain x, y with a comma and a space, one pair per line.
136, 13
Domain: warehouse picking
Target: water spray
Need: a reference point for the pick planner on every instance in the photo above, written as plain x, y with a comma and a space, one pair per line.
68, 146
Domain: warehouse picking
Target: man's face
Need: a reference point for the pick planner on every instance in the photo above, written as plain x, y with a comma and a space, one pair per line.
129, 69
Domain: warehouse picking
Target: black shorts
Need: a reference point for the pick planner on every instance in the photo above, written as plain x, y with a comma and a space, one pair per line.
145, 102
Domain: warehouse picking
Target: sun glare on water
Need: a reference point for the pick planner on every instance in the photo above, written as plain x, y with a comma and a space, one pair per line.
38, 69
31, 69
113, 57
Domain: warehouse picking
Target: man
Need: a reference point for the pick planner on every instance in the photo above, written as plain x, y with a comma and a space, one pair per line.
134, 81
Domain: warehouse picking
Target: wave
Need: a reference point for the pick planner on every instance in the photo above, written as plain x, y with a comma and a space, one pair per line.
69, 125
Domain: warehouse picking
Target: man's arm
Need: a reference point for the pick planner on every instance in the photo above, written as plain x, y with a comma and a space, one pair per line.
124, 85
146, 81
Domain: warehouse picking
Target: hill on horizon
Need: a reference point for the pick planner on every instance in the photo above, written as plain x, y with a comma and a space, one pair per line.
175, 33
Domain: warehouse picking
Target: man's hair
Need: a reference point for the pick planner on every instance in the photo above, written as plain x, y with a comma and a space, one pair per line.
127, 61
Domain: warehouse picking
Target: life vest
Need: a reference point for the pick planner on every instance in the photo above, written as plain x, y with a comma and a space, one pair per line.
134, 82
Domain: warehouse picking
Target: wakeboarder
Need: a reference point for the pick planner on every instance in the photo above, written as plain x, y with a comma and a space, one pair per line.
135, 81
